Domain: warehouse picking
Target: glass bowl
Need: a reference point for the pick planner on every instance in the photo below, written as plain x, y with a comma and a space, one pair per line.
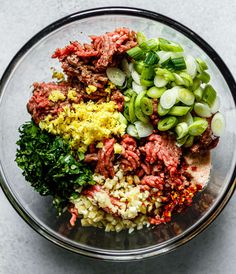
33, 62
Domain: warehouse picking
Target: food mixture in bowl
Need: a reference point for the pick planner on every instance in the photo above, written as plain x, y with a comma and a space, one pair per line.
122, 137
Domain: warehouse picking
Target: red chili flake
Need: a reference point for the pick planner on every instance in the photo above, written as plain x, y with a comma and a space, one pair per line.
193, 168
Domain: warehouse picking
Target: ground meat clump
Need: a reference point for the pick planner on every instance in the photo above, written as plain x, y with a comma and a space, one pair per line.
162, 147
39, 106
130, 160
206, 141
106, 158
88, 62
119, 99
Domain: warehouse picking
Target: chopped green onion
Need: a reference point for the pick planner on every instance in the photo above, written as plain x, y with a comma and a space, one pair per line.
218, 124
191, 66
116, 76
198, 93
136, 77
162, 111
188, 81
132, 131
186, 96
151, 58
179, 80
169, 97
137, 88
160, 81
151, 44
136, 53
169, 45
165, 73
189, 141
126, 111
126, 98
167, 123
143, 129
201, 65
147, 73
179, 110
182, 141
132, 116
146, 83
202, 110
164, 56
216, 105
125, 67
129, 82
137, 107
209, 95
146, 106
178, 63
188, 118
155, 92
129, 92
204, 77
122, 119
198, 127
139, 66
181, 130
140, 37
196, 84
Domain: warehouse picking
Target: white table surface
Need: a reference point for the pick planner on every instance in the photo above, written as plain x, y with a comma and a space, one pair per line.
22, 250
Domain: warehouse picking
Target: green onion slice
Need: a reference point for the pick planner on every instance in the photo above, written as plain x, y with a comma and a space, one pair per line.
201, 65
189, 141
143, 129
186, 96
125, 67
151, 58
209, 95
216, 105
132, 131
182, 141
137, 106
179, 110
139, 66
162, 111
181, 130
140, 37
137, 88
147, 73
155, 92
136, 53
169, 97
188, 118
160, 81
191, 66
132, 116
116, 76
202, 110
198, 93
178, 63
198, 127
146, 106
126, 111
196, 84
136, 77
204, 77
218, 124
151, 44
167, 123
122, 119
169, 45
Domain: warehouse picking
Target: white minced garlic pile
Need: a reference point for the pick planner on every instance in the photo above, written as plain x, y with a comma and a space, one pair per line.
132, 205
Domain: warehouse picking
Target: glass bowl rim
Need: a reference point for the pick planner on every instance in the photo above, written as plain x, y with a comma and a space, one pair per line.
137, 253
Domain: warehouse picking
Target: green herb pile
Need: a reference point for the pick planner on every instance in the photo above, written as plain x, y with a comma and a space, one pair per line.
49, 164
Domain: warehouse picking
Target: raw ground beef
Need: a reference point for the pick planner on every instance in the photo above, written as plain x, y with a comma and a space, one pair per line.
39, 106
88, 62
